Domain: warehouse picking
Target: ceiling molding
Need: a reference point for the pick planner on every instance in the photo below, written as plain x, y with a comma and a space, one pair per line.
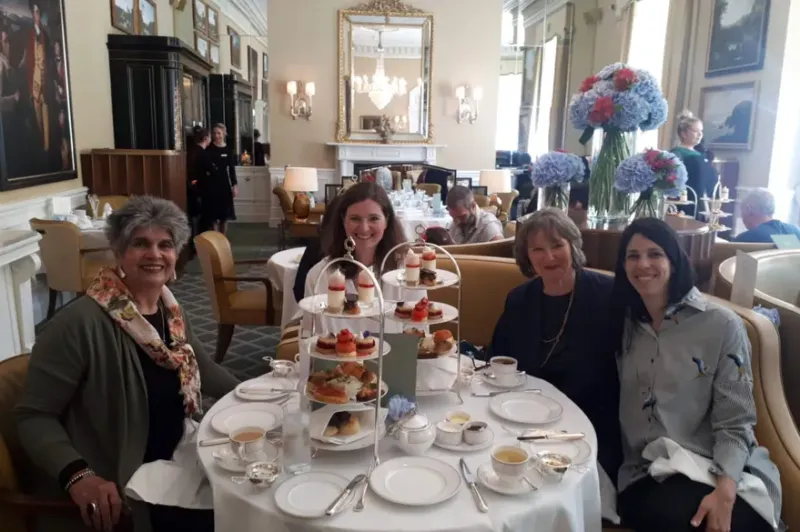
393, 52
249, 15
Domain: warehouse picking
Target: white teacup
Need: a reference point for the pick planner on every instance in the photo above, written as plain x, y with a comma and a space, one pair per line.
247, 443
448, 433
503, 365
282, 368
476, 433
510, 463
80, 213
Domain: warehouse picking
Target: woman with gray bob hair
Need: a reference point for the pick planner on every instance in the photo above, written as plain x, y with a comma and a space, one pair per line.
115, 377
556, 325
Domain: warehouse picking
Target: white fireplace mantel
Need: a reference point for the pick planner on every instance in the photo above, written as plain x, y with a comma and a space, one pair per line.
347, 154
19, 262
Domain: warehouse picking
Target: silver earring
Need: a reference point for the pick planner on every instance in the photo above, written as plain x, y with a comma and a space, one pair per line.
121, 272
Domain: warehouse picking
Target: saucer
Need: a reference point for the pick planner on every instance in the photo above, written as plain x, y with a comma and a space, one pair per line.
506, 382
489, 478
227, 460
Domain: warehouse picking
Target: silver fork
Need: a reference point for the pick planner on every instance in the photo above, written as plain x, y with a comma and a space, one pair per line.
360, 504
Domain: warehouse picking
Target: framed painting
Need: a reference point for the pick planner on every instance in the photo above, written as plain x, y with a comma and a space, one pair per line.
201, 44
236, 48
213, 23
728, 114
123, 15
738, 39
464, 182
331, 191
200, 17
213, 50
148, 25
369, 122
252, 66
37, 141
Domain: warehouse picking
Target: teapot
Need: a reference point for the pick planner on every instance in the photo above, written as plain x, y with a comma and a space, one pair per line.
415, 435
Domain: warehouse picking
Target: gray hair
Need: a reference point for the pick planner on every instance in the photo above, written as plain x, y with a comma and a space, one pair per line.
555, 224
760, 201
459, 196
146, 212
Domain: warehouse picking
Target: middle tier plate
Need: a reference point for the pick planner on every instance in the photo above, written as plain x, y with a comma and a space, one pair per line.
444, 279
318, 304
313, 353
449, 313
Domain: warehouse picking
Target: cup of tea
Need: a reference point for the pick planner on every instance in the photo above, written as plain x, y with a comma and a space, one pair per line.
282, 368
510, 463
247, 443
503, 365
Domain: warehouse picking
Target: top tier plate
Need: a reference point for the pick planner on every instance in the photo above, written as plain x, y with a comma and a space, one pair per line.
318, 305
444, 279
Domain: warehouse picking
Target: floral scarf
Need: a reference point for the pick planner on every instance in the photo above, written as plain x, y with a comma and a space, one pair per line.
110, 292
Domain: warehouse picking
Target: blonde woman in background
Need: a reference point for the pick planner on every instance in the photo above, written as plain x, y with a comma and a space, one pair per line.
218, 186
702, 175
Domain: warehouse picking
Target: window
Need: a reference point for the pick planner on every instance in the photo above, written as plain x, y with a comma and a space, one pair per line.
507, 31
510, 96
539, 142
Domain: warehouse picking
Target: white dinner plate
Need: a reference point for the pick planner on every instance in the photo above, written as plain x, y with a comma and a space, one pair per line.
227, 460
415, 481
578, 450
265, 382
444, 279
310, 494
266, 416
527, 408
449, 313
318, 305
489, 478
311, 347
464, 447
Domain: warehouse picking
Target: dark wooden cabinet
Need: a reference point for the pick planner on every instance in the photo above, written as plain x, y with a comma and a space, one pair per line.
231, 103
159, 91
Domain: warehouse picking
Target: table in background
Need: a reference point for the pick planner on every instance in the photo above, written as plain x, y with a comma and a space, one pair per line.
572, 505
411, 219
282, 271
95, 237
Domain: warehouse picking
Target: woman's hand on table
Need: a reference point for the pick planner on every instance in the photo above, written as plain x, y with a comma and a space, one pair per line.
104, 494
717, 507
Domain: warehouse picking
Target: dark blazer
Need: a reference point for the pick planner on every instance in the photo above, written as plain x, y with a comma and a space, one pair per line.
593, 383
311, 256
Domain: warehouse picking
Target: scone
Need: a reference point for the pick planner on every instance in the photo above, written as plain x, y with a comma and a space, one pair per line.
444, 342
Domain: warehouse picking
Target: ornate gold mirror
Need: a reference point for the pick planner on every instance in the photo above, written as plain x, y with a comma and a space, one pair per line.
385, 66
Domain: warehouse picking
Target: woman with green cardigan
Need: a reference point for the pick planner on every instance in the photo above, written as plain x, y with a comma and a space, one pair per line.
702, 176
114, 375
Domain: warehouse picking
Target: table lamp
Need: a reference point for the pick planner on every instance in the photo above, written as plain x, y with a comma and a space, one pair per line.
301, 181
496, 181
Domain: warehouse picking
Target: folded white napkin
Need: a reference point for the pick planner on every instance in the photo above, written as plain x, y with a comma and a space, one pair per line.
437, 373
669, 458
179, 482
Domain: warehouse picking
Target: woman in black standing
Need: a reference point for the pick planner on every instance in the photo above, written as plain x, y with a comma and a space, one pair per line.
218, 186
195, 172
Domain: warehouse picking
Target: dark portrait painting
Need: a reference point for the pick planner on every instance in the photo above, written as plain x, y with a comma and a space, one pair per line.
36, 138
738, 36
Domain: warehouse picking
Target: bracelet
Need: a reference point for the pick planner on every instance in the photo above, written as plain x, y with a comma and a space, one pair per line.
77, 477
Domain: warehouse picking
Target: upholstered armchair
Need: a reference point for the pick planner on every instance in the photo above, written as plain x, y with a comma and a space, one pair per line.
233, 305
429, 188
70, 266
291, 227
503, 203
496, 248
723, 250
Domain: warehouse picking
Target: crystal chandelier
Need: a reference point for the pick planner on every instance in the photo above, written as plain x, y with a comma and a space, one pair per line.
380, 89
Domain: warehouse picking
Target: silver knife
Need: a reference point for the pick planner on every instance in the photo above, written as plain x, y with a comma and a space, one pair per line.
215, 441
360, 504
335, 505
470, 479
558, 436
494, 394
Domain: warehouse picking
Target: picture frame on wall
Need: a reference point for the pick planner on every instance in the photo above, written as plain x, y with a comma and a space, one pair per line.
213, 24
728, 114
200, 17
369, 122
148, 21
738, 41
213, 50
37, 140
201, 45
236, 48
252, 66
123, 15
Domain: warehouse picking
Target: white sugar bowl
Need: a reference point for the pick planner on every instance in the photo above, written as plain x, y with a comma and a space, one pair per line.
416, 435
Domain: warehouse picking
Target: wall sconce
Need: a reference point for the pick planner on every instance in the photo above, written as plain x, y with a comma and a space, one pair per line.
468, 103
301, 93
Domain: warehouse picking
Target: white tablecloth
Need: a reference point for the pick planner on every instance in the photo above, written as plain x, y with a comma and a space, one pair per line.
411, 219
570, 506
281, 271
95, 237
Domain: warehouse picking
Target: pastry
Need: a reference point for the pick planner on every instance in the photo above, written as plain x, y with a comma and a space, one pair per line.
367, 393
434, 311
351, 305
345, 344
684, 195
420, 312
427, 277
326, 344
365, 345
366, 288
403, 311
412, 262
336, 286
415, 332
426, 348
330, 431
443, 341
329, 394
342, 424
344, 383
428, 258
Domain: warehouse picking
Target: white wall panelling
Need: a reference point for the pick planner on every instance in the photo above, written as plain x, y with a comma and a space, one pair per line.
17, 215
255, 194
19, 262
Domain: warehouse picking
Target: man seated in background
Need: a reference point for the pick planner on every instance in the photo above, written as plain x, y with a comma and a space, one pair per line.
758, 209
471, 225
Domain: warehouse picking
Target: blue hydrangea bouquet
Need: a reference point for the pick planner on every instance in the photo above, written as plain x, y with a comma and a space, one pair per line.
552, 174
654, 175
619, 100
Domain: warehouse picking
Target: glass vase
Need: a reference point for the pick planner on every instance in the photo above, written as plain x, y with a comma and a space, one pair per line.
605, 202
556, 196
650, 204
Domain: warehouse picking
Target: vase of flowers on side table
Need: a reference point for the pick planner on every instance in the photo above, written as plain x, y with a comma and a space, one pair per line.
552, 174
653, 175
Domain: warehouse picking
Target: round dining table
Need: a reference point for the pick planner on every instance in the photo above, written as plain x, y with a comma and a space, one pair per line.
416, 221
282, 271
569, 505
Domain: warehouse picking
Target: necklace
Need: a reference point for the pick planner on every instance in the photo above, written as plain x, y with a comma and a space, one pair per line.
163, 331
557, 337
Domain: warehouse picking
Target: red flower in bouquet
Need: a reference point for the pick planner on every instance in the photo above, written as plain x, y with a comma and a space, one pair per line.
602, 110
588, 83
624, 79
561, 150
